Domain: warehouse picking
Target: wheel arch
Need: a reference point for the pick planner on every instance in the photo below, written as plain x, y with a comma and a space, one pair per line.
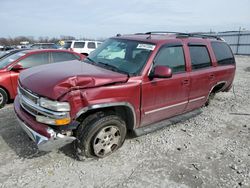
8, 94
123, 109
218, 87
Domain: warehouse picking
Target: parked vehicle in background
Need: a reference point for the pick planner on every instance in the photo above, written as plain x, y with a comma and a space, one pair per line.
4, 54
7, 48
17, 60
136, 83
44, 46
83, 47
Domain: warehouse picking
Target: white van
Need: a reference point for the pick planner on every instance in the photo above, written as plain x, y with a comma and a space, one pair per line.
82, 47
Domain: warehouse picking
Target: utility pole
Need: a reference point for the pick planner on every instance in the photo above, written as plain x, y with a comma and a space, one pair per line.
238, 42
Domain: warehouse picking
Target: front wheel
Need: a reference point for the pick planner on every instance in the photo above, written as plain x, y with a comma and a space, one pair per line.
3, 98
100, 135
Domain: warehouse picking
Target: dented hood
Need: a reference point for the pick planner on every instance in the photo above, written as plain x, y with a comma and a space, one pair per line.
54, 80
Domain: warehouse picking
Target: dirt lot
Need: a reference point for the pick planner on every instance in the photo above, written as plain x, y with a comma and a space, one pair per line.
210, 150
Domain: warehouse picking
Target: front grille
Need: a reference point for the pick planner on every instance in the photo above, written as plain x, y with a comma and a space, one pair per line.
28, 95
30, 103
24, 96
29, 109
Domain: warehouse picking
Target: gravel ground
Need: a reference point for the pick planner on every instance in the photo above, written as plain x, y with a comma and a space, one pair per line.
210, 150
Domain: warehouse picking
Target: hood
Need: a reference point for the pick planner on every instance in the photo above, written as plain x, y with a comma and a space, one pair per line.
54, 80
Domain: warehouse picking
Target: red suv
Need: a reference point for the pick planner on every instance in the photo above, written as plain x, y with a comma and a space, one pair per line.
13, 63
136, 83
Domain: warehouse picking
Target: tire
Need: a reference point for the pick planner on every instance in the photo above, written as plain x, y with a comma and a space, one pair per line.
3, 98
210, 97
99, 135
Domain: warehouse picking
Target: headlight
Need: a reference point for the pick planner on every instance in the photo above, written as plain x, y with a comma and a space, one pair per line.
52, 121
54, 105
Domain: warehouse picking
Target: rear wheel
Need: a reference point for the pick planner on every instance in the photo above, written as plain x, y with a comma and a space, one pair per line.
100, 135
210, 97
3, 97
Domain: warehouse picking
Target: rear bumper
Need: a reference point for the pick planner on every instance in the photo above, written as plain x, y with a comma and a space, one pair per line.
46, 138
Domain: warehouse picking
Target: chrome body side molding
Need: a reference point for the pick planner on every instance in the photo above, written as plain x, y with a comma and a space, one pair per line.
166, 107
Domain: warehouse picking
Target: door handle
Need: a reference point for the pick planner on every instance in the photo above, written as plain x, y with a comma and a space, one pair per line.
211, 76
185, 82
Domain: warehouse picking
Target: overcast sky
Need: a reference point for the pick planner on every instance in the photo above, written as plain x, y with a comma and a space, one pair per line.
104, 18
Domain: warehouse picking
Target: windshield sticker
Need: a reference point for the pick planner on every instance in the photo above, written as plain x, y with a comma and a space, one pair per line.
146, 46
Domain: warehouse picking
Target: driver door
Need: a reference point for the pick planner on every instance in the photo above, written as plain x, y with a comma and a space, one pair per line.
166, 97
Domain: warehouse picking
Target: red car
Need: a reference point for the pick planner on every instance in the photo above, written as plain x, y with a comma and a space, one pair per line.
135, 83
12, 65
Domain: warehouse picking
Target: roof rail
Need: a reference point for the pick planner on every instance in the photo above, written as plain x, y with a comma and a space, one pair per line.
180, 34
200, 35
164, 32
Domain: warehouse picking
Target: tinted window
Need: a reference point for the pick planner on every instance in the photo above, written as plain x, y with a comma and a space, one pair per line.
199, 57
222, 53
79, 44
8, 59
98, 44
91, 45
67, 45
35, 60
63, 56
172, 57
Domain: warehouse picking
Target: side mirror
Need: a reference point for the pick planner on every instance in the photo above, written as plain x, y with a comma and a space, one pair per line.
17, 67
161, 71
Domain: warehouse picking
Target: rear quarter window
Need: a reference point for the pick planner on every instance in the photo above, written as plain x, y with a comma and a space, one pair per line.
222, 53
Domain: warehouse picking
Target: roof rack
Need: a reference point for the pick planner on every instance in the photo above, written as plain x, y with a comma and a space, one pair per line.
200, 35
180, 34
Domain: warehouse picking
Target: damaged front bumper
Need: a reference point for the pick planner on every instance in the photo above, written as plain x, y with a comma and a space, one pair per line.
46, 138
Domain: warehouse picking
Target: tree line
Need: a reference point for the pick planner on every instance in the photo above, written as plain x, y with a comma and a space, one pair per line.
16, 40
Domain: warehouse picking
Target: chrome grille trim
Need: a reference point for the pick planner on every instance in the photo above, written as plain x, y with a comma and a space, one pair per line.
28, 94
29, 105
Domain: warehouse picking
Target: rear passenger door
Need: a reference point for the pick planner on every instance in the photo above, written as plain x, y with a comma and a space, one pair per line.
202, 75
225, 63
166, 97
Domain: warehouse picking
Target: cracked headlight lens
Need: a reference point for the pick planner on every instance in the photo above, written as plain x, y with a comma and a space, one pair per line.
55, 105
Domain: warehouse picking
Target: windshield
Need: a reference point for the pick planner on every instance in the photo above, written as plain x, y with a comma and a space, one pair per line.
122, 55
9, 59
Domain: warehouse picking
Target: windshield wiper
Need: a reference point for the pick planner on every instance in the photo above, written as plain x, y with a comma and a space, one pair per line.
113, 68
91, 60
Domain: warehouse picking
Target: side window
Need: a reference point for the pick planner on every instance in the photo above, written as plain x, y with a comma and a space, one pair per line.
172, 57
63, 56
79, 44
222, 53
35, 60
199, 57
91, 45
